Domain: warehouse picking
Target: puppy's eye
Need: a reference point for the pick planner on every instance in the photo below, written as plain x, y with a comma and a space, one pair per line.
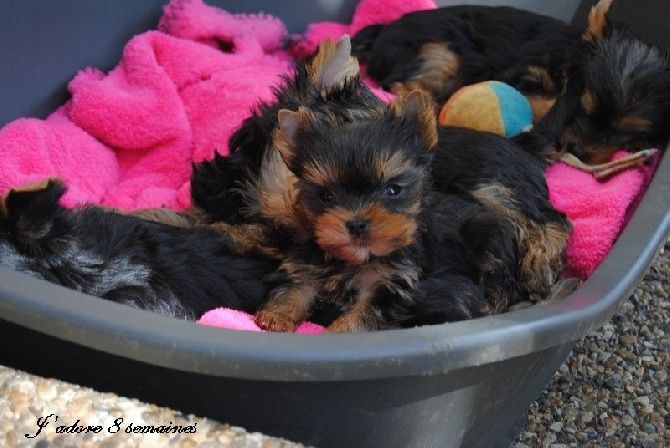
392, 190
326, 196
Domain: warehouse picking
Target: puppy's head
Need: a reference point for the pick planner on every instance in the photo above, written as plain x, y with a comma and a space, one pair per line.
361, 184
625, 95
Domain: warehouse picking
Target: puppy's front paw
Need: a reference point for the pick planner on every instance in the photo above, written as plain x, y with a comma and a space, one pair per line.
272, 321
346, 325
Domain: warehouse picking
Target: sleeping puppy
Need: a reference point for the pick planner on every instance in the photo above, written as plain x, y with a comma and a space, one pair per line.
618, 97
444, 49
169, 270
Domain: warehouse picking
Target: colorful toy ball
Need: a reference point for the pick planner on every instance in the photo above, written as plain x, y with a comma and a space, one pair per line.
491, 106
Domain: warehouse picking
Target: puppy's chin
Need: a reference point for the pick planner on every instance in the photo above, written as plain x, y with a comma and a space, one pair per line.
350, 254
355, 253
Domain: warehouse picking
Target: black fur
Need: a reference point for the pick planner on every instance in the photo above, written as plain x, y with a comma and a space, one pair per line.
491, 43
455, 237
467, 159
458, 241
461, 241
624, 77
617, 97
217, 186
463, 260
171, 271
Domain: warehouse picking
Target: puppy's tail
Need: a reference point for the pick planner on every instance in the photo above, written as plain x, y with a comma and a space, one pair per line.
32, 214
364, 39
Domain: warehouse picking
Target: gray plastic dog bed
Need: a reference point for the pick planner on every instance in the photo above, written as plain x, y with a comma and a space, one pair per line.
466, 384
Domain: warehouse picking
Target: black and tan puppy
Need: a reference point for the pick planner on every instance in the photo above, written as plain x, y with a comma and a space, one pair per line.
373, 227
253, 183
618, 97
444, 49
479, 169
507, 180
168, 270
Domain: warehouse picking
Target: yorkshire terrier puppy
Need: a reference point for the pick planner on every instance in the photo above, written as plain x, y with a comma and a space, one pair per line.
372, 225
253, 183
161, 268
618, 97
509, 181
487, 172
443, 49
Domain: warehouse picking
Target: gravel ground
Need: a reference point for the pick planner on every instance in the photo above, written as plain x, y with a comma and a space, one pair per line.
24, 397
612, 392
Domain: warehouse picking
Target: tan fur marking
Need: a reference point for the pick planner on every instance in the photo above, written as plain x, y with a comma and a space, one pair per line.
631, 123
333, 237
277, 192
542, 246
333, 64
417, 104
389, 167
597, 21
544, 78
354, 320
604, 170
325, 51
439, 71
540, 105
287, 307
588, 102
246, 238
497, 197
36, 186
360, 316
318, 174
405, 88
599, 154
283, 145
165, 216
3, 207
388, 231
290, 122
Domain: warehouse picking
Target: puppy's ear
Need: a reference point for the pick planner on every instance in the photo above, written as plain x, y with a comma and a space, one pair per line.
30, 210
418, 110
332, 64
290, 123
598, 25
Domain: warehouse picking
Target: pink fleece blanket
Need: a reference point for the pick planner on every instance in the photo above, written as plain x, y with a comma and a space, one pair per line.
127, 138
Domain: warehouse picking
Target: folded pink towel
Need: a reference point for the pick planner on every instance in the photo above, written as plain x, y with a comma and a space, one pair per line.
127, 138
598, 210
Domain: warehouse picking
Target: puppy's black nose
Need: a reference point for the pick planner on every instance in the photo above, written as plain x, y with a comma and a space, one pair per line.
357, 227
